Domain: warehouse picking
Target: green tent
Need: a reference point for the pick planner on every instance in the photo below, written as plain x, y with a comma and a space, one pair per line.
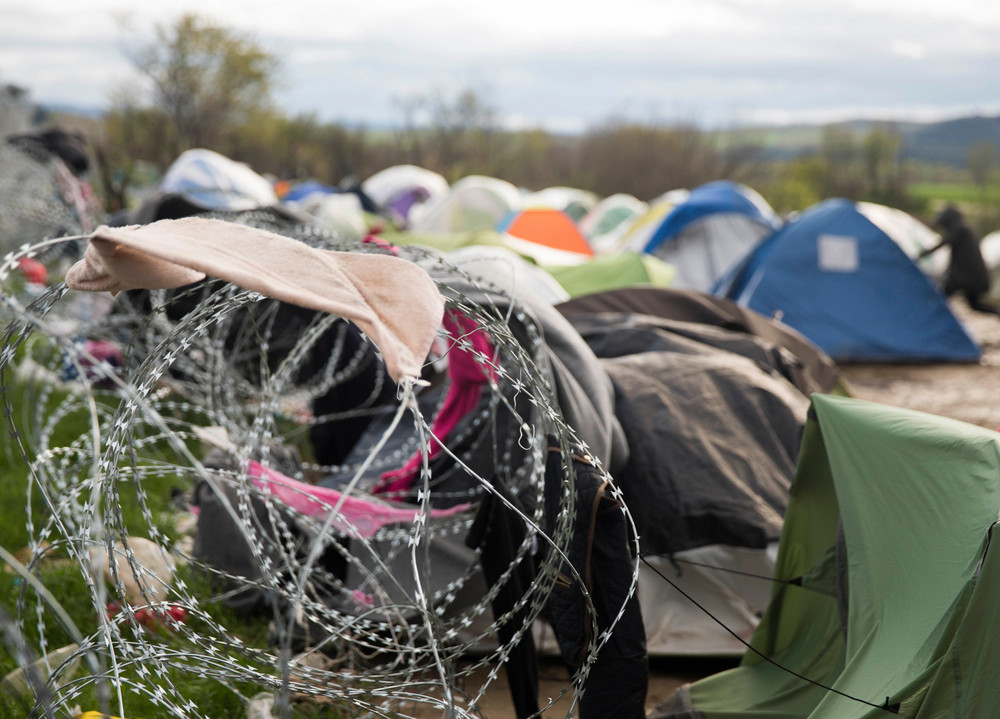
887, 593
611, 272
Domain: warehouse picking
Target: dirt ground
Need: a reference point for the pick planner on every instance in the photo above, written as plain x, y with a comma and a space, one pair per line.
961, 391
967, 392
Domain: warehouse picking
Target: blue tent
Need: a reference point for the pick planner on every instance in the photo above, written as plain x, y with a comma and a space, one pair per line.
715, 227
306, 188
847, 286
713, 198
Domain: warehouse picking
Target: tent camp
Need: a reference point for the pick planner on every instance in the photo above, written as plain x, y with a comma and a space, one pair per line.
605, 225
548, 236
843, 283
885, 595
397, 190
712, 398
475, 202
215, 182
706, 234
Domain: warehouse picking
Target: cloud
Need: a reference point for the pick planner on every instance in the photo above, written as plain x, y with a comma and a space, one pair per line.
908, 49
556, 62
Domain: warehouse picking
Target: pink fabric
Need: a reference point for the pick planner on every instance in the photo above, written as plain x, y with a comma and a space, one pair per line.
358, 515
468, 378
393, 301
381, 244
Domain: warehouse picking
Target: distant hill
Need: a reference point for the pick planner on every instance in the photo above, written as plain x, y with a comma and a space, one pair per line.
948, 143
939, 143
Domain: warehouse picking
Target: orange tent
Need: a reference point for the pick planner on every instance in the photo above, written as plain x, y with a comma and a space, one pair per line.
549, 228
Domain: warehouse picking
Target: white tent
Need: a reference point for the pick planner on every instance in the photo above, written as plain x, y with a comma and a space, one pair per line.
217, 182
704, 235
475, 202
399, 189
605, 225
574, 202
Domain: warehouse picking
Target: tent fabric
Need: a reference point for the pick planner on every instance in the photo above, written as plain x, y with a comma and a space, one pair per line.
809, 368
912, 235
713, 435
607, 222
341, 213
398, 188
576, 203
914, 500
508, 270
636, 237
540, 229
608, 272
215, 182
304, 189
842, 282
485, 255
475, 202
720, 197
707, 233
713, 426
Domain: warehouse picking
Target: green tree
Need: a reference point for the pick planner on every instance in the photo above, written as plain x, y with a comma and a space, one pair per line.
206, 80
981, 162
880, 149
839, 151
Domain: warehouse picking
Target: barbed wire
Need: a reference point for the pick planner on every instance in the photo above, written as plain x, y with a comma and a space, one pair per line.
383, 623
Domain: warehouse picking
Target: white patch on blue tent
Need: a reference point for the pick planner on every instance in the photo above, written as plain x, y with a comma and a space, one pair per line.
837, 253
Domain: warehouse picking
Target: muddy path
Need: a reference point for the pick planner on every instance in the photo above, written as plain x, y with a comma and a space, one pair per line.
968, 392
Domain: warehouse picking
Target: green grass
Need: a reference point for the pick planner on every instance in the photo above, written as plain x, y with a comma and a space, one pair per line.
957, 193
63, 578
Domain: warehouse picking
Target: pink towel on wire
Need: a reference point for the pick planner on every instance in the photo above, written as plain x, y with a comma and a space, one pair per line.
468, 379
393, 301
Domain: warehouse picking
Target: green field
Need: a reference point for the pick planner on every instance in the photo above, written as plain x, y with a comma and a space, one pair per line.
964, 194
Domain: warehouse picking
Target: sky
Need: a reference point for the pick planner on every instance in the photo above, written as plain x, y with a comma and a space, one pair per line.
563, 66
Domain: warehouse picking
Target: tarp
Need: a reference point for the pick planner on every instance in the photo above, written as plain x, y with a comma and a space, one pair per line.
843, 283
713, 416
887, 582
806, 366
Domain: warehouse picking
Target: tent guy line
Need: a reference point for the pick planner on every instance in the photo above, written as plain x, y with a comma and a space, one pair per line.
886, 707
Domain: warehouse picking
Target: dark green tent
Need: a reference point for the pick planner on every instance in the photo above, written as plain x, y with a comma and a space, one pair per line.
888, 590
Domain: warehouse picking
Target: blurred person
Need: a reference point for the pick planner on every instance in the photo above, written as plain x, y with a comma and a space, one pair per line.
967, 272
